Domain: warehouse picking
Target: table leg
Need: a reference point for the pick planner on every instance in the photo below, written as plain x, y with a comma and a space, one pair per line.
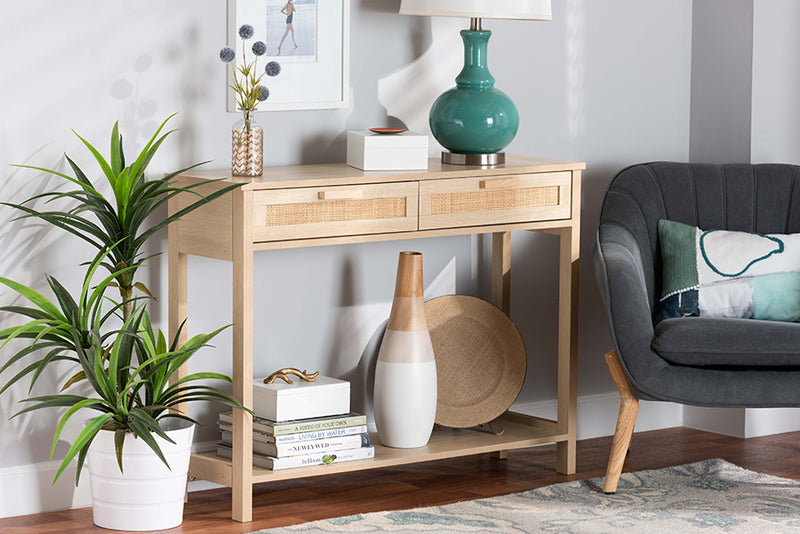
501, 271
242, 475
178, 291
567, 346
178, 297
501, 285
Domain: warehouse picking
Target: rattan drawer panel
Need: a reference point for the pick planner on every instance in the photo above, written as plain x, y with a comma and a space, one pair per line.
335, 211
494, 200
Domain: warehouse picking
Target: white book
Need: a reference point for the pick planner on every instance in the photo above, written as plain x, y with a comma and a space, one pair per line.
306, 460
281, 450
302, 436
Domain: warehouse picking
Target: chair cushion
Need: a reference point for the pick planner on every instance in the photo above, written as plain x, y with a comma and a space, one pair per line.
708, 341
719, 273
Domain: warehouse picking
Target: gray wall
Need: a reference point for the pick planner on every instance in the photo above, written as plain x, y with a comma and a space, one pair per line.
722, 50
776, 82
606, 82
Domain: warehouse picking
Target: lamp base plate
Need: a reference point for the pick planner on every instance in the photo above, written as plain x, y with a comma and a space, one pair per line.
484, 160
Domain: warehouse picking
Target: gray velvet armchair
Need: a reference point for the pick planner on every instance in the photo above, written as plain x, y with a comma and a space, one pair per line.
692, 360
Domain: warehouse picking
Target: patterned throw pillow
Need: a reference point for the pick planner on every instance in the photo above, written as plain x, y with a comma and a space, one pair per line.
719, 273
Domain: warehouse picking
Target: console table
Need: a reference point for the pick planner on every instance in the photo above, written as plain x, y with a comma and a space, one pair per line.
330, 204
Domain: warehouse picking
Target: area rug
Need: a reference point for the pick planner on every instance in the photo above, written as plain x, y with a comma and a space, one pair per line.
704, 497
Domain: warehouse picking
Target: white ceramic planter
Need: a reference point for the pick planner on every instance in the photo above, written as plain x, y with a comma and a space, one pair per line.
147, 495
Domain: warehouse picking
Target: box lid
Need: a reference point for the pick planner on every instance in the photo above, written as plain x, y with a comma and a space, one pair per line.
401, 140
299, 387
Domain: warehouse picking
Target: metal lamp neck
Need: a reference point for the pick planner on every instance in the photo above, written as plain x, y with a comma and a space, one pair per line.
475, 24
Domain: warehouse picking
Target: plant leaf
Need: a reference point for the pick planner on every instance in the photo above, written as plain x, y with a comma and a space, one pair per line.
84, 439
74, 379
119, 442
35, 297
85, 403
116, 159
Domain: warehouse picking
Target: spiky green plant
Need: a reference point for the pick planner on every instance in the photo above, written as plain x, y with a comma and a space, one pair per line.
118, 224
56, 329
128, 369
131, 387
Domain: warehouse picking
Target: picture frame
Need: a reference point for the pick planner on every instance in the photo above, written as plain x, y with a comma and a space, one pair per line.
314, 41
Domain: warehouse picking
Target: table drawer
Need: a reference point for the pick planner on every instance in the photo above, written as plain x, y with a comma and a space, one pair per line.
335, 211
494, 200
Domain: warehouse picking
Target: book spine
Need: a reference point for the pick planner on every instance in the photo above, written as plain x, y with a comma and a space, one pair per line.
303, 436
281, 429
259, 447
361, 453
303, 447
268, 462
296, 427
322, 445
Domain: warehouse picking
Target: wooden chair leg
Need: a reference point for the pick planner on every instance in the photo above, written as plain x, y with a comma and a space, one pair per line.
628, 408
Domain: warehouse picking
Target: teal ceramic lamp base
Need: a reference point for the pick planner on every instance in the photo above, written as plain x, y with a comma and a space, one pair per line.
473, 120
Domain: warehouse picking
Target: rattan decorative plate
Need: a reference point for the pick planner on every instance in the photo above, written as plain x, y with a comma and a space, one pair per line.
480, 360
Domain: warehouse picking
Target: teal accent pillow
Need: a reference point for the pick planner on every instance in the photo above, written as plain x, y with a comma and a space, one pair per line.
720, 273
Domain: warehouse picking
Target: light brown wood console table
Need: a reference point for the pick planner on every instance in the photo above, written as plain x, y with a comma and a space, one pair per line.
330, 204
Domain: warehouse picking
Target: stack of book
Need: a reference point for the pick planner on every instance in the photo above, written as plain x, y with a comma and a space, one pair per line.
302, 442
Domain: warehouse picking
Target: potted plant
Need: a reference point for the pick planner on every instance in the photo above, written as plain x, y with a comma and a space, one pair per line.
137, 446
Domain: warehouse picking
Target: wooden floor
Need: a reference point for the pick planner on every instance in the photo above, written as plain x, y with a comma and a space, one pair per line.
443, 482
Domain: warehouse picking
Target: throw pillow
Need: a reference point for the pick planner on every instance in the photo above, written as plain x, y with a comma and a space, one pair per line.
721, 273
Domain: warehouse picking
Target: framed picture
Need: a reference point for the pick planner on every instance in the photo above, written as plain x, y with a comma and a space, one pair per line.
311, 41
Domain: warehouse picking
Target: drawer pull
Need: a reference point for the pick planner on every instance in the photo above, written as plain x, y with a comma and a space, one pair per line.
499, 182
350, 194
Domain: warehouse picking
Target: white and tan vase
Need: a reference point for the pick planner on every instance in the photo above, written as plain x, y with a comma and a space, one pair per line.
405, 375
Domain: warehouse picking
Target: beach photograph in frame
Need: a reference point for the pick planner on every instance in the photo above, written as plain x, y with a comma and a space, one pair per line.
292, 28
314, 50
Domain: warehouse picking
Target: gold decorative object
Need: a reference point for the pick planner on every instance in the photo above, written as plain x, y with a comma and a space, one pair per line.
284, 373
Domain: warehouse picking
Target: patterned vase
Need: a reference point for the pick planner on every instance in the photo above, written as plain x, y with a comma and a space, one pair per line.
405, 375
247, 150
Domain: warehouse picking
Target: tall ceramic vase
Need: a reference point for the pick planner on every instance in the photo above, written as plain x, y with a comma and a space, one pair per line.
405, 375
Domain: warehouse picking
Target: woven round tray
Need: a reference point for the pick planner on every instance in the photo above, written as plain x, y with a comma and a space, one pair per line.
480, 360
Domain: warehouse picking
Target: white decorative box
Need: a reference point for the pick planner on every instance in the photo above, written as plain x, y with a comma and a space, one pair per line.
280, 401
380, 152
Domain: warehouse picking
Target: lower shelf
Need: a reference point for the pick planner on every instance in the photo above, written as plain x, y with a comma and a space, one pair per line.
519, 431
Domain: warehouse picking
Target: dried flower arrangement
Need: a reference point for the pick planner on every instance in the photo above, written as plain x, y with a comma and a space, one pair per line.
245, 80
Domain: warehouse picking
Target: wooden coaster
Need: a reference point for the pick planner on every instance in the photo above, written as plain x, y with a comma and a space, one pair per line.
480, 360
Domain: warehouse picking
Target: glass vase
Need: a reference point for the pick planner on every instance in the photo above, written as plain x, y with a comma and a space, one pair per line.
247, 147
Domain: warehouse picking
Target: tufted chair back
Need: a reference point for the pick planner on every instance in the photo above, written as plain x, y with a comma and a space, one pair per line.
741, 197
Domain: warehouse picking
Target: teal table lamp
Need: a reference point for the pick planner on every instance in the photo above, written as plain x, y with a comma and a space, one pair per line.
473, 120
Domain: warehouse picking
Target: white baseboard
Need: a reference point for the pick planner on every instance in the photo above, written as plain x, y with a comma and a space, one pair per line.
743, 422
29, 489
597, 414
727, 421
768, 421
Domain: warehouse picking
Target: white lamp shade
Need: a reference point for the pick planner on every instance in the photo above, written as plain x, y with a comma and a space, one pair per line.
485, 9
